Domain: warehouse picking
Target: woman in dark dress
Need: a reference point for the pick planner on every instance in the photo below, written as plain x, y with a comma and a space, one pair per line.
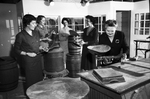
116, 40
90, 37
27, 47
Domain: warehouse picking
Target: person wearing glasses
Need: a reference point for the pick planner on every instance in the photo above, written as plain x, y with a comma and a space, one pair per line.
117, 42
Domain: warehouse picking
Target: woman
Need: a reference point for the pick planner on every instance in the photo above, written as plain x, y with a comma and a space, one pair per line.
63, 36
41, 28
116, 40
27, 46
89, 37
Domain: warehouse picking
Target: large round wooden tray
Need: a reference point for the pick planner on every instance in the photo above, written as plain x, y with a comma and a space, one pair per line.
58, 88
99, 49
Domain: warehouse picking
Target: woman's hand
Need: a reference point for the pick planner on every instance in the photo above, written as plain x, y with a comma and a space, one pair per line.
43, 48
82, 42
105, 60
123, 58
31, 54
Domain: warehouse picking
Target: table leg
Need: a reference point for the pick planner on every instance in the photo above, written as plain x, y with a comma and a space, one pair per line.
136, 49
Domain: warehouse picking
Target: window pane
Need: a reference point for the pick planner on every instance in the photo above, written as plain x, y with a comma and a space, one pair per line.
104, 18
96, 19
136, 31
141, 31
147, 16
99, 20
96, 26
103, 27
142, 16
147, 31
103, 23
142, 24
78, 20
147, 23
136, 24
79, 27
100, 28
136, 16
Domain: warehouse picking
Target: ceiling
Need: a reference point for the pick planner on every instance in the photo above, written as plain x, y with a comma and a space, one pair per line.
16, 1
9, 1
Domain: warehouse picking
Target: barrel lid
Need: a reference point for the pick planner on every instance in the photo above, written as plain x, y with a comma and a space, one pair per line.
56, 50
5, 60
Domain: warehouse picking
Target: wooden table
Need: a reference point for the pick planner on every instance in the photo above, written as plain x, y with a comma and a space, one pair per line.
137, 77
137, 47
58, 88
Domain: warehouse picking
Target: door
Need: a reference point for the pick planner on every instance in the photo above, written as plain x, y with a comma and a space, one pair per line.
8, 23
123, 19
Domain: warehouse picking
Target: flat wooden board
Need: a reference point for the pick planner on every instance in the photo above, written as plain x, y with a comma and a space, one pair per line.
58, 88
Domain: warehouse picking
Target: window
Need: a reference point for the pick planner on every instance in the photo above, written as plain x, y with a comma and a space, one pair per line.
52, 23
99, 23
20, 25
76, 23
142, 24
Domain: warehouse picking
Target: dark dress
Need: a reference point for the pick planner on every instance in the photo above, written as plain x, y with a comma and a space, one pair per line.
118, 45
42, 31
88, 59
31, 65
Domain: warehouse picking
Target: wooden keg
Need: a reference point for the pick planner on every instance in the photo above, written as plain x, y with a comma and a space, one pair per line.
9, 74
73, 64
74, 45
54, 63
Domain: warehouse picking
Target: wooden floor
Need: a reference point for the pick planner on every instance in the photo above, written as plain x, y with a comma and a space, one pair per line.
17, 93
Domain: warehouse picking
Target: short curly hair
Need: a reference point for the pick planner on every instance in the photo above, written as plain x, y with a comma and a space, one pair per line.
65, 19
27, 19
39, 18
111, 23
91, 18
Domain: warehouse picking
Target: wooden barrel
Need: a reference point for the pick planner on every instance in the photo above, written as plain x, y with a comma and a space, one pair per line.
53, 60
54, 63
73, 64
73, 45
9, 74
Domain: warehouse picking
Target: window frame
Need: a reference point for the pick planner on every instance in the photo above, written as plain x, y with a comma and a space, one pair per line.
140, 21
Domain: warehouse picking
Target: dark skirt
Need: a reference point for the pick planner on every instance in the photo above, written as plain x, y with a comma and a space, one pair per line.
33, 69
88, 61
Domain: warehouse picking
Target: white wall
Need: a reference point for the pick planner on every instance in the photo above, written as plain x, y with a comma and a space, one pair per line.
37, 7
109, 8
100, 8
